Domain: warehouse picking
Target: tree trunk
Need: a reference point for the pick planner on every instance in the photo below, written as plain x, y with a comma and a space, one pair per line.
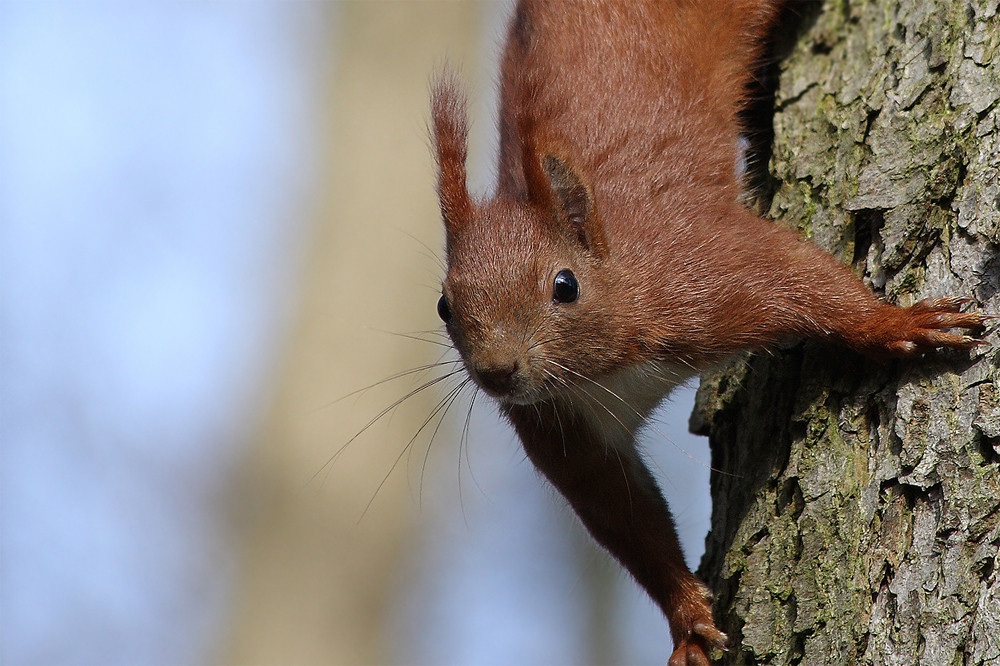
857, 503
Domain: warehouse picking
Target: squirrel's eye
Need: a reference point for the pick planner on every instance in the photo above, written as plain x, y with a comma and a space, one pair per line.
565, 289
443, 310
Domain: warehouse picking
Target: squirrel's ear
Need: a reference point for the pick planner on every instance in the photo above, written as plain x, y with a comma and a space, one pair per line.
451, 133
574, 205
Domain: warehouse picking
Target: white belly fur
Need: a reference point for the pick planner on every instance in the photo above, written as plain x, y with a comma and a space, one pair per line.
617, 405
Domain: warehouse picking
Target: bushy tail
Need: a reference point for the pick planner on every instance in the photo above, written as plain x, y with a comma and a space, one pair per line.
729, 36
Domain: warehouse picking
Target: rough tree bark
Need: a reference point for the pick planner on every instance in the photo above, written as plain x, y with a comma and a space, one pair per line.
856, 509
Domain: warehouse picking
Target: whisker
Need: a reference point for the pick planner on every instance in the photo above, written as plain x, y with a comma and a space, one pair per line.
464, 440
555, 408
415, 335
443, 405
546, 341
628, 488
612, 448
419, 339
628, 431
642, 417
528, 336
398, 375
450, 398
379, 416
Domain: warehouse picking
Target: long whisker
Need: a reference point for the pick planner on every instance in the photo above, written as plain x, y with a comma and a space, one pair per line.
530, 335
415, 335
446, 404
642, 417
546, 341
443, 405
463, 440
625, 428
577, 389
420, 339
398, 375
380, 415
555, 407
588, 398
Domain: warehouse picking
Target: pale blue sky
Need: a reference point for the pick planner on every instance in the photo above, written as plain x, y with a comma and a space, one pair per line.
150, 165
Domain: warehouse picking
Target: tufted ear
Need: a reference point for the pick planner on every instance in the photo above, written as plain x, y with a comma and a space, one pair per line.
573, 206
451, 133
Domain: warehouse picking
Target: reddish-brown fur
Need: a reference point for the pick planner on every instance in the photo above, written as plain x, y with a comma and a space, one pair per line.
618, 154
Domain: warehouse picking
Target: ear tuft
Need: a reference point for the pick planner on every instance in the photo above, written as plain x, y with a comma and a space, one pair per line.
451, 134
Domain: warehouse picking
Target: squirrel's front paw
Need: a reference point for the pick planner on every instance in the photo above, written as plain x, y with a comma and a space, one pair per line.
924, 327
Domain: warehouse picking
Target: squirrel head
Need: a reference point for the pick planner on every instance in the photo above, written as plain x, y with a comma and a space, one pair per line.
526, 297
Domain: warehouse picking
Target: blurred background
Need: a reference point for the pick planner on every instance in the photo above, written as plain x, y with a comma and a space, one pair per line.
217, 223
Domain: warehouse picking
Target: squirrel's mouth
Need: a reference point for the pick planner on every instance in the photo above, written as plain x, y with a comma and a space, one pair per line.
525, 391
509, 384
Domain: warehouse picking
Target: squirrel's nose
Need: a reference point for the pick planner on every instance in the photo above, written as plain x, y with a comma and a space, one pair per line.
498, 379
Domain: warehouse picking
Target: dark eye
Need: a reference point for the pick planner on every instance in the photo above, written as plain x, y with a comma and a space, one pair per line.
443, 310
565, 289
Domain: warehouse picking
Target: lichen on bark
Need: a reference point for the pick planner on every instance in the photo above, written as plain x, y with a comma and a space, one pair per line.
856, 513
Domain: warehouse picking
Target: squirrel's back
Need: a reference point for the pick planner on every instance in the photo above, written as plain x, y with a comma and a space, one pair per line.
612, 87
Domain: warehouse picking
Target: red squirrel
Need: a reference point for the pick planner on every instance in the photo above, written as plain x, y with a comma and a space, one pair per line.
615, 258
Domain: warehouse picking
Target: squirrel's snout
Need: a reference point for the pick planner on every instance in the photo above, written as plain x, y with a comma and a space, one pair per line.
500, 380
